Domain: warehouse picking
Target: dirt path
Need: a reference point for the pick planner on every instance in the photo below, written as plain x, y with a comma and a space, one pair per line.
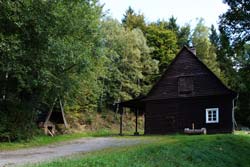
46, 153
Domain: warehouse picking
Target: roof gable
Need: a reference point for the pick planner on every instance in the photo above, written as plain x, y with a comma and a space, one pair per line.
187, 64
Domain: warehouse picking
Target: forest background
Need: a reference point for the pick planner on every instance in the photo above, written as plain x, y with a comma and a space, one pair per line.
71, 50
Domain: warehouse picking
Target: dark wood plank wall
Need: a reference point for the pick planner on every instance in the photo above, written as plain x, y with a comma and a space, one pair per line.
173, 115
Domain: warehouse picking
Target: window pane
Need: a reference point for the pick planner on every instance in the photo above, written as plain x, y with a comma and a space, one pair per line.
212, 115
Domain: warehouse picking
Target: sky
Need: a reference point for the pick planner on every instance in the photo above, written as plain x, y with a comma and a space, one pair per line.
186, 11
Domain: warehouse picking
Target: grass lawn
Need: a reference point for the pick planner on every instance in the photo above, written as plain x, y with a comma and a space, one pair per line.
45, 140
169, 151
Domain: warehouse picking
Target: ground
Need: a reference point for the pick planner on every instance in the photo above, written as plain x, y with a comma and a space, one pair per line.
221, 150
46, 153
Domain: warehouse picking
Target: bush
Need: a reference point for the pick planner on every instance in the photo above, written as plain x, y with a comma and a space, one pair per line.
89, 120
17, 122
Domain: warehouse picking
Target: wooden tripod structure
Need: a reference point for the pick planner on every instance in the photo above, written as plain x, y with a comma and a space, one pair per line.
49, 127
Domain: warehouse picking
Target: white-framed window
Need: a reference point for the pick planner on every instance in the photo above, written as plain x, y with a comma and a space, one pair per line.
212, 115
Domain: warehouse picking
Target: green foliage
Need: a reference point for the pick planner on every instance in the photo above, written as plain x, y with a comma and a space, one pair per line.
51, 49
17, 123
132, 20
172, 24
236, 21
166, 38
234, 63
182, 33
164, 44
234, 51
76, 50
225, 55
243, 86
44, 44
242, 111
169, 151
129, 63
183, 36
163, 37
204, 48
214, 37
22, 50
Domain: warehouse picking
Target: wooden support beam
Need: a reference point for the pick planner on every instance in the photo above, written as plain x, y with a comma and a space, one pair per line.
63, 115
48, 117
136, 122
121, 114
50, 111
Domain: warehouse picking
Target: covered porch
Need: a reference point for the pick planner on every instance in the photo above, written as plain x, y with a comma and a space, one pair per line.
136, 106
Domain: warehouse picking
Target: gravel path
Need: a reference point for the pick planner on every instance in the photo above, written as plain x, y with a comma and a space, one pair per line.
46, 153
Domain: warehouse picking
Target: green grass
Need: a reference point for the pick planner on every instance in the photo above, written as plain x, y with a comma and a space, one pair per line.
43, 140
169, 151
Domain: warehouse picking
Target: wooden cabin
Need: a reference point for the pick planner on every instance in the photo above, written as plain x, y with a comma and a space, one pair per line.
188, 95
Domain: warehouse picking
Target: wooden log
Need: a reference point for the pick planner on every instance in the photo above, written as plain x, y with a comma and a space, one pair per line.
195, 131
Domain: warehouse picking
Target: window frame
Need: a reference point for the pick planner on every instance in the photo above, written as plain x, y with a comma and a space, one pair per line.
212, 115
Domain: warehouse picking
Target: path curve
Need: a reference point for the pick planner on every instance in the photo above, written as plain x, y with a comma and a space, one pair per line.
46, 153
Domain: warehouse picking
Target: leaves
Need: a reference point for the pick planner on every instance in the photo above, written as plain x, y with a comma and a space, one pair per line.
164, 44
44, 44
129, 62
236, 20
204, 48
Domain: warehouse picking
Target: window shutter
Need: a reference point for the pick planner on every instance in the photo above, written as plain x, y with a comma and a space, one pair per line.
185, 85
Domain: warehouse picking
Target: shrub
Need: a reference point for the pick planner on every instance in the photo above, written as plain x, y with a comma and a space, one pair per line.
17, 122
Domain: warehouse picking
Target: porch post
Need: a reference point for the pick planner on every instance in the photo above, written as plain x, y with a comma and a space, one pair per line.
121, 114
136, 122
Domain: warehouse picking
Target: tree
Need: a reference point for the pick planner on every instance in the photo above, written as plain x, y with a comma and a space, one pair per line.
164, 37
25, 28
133, 20
164, 44
184, 36
77, 52
43, 44
128, 62
214, 37
236, 21
225, 56
172, 25
204, 49
182, 32
235, 37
